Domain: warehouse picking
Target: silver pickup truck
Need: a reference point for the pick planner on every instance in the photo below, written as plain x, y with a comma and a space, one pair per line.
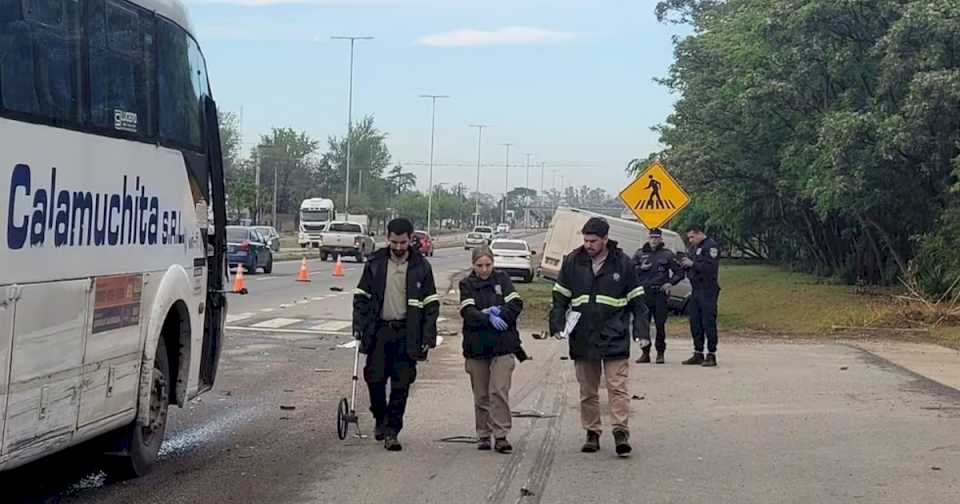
343, 238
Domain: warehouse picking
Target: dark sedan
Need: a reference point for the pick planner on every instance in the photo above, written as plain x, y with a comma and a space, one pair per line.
248, 247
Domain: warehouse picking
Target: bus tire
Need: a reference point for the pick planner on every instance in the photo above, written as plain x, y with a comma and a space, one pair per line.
136, 446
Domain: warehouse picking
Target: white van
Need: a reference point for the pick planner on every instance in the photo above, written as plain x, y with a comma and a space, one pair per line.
563, 236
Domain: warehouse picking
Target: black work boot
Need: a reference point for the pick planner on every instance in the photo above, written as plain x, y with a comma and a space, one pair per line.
695, 360
592, 445
379, 430
391, 443
484, 444
501, 445
660, 358
622, 440
710, 361
645, 357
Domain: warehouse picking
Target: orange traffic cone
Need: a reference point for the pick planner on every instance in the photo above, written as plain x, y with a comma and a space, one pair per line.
338, 268
304, 275
238, 285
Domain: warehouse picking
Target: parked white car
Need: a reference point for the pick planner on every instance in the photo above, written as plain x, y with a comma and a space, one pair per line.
513, 257
486, 231
473, 240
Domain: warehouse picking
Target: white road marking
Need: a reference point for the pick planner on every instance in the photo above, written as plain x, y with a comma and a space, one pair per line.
441, 319
267, 310
276, 323
238, 316
332, 326
319, 298
285, 305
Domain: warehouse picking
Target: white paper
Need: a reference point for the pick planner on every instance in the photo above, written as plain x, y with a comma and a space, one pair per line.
572, 318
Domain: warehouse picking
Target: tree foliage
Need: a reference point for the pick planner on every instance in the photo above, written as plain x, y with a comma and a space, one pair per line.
823, 133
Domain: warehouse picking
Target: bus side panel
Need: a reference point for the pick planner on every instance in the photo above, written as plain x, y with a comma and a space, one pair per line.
111, 361
47, 354
6, 338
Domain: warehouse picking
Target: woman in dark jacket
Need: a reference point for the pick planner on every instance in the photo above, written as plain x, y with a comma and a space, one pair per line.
490, 306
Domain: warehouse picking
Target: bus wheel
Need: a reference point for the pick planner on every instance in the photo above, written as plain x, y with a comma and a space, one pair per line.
136, 446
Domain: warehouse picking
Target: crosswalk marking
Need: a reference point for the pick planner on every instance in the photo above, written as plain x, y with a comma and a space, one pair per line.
332, 326
276, 323
238, 316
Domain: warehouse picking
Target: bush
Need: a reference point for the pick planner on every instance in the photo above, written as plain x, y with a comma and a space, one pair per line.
936, 267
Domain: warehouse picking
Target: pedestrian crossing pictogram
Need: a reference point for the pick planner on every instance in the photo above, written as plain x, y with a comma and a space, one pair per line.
654, 197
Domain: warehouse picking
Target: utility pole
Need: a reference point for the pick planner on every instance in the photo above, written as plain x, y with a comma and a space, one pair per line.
256, 186
346, 196
528, 168
506, 180
542, 165
433, 129
476, 211
276, 172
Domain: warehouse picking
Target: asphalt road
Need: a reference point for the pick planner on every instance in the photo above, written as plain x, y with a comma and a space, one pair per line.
775, 422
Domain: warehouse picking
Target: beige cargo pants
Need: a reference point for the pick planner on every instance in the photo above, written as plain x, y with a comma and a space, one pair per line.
617, 374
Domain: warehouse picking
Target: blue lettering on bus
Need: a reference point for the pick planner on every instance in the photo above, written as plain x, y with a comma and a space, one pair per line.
73, 217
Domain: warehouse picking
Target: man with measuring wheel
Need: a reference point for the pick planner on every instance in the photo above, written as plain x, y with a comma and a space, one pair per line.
395, 309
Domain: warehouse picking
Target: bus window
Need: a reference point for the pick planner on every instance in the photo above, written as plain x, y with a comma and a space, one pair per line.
181, 116
39, 74
120, 45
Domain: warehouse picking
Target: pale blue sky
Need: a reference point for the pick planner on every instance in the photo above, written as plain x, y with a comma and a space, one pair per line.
570, 81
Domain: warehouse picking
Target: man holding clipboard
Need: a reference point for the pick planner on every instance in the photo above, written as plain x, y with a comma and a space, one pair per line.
597, 304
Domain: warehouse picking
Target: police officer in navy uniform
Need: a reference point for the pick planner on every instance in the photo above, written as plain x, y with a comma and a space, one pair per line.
657, 271
702, 266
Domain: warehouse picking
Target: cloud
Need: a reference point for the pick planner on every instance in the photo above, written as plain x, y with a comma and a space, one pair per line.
509, 35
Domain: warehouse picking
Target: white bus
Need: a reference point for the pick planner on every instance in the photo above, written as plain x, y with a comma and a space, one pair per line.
111, 275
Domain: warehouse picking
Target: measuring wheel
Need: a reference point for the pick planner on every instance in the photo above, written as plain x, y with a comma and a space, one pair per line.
346, 411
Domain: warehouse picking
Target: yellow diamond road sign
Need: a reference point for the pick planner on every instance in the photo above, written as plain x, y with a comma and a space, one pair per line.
655, 197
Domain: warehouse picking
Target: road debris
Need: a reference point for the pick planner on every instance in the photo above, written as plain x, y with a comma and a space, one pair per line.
459, 439
564, 357
844, 368
322, 370
531, 413
639, 397
336, 289
287, 408
526, 493
349, 344
936, 468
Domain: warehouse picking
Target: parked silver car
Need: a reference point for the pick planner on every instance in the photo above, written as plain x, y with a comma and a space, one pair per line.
271, 235
473, 240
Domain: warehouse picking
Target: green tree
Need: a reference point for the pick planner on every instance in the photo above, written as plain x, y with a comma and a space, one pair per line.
369, 156
401, 181
823, 133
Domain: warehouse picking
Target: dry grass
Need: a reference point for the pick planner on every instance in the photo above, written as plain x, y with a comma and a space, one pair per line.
765, 298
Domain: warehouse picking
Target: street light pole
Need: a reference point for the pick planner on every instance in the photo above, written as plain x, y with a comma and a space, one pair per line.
506, 180
346, 197
528, 168
542, 164
275, 177
433, 129
476, 211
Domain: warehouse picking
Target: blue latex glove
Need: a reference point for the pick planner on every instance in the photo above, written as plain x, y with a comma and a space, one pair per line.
497, 322
495, 310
